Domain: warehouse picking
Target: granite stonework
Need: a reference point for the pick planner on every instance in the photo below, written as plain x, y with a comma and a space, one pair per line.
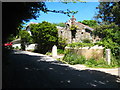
82, 32
95, 52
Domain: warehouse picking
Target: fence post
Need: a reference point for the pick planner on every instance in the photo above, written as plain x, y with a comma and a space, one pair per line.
54, 51
108, 56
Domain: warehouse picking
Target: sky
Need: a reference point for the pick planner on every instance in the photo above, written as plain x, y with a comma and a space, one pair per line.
86, 11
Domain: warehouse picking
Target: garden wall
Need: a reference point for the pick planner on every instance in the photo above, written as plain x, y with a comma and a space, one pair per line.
95, 52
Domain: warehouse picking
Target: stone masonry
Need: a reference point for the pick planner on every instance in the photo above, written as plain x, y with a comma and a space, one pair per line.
82, 32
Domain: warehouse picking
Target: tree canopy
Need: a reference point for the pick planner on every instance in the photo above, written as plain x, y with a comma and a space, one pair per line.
90, 23
108, 12
109, 29
61, 24
14, 13
25, 38
45, 35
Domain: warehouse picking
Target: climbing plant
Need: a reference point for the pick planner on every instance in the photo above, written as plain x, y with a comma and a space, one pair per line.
73, 29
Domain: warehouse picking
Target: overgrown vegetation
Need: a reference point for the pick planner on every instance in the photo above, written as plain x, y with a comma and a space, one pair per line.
72, 58
73, 29
110, 36
79, 44
61, 43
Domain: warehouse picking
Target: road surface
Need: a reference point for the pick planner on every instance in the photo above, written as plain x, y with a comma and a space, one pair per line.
32, 70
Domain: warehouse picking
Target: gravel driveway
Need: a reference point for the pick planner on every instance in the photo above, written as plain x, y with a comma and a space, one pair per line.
32, 70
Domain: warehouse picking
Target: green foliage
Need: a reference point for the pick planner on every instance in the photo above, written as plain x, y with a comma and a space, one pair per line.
101, 63
73, 58
45, 35
49, 53
17, 47
25, 38
107, 31
23, 12
61, 43
109, 44
19, 12
60, 24
91, 62
11, 38
86, 40
90, 23
108, 12
78, 44
73, 27
60, 51
110, 35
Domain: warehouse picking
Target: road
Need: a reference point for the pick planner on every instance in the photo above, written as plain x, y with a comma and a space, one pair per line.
32, 70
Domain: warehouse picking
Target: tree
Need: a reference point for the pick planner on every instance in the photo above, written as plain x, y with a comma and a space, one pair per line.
60, 24
90, 23
109, 18
108, 12
45, 35
14, 13
110, 31
25, 38
110, 36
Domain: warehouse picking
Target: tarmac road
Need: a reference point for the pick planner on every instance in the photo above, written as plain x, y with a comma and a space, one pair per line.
32, 70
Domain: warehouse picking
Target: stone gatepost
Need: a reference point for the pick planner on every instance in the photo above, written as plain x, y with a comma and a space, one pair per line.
108, 56
54, 51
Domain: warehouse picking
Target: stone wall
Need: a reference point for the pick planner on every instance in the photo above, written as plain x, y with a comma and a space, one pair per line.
79, 35
95, 52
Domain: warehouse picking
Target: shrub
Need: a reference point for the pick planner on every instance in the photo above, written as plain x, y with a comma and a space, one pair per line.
61, 43
60, 51
101, 63
73, 58
48, 53
91, 62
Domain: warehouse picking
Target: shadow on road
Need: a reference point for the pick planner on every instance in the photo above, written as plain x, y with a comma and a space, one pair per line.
30, 71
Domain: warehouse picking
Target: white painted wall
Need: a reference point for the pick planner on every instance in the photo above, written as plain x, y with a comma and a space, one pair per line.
29, 47
16, 45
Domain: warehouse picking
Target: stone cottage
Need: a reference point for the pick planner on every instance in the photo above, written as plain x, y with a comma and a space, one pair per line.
82, 32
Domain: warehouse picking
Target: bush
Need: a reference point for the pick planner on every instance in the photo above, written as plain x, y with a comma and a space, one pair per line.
61, 43
48, 53
109, 44
60, 51
101, 63
73, 58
